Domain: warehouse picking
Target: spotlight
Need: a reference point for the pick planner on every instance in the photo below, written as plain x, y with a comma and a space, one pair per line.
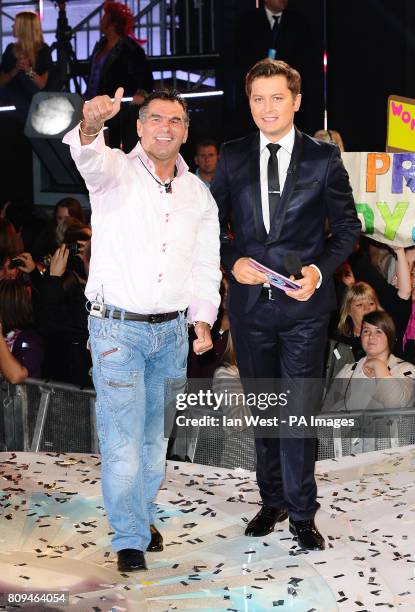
53, 114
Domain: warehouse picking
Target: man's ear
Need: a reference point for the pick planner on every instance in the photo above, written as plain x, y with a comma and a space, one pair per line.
139, 128
297, 102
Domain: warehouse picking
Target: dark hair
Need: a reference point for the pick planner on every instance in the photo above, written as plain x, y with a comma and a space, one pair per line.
10, 244
121, 17
169, 95
207, 142
381, 319
71, 230
15, 305
73, 206
268, 68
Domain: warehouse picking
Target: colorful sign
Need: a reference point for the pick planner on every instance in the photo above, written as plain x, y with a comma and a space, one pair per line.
401, 124
384, 190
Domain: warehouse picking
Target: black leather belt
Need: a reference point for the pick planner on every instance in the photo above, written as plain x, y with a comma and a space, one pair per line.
152, 318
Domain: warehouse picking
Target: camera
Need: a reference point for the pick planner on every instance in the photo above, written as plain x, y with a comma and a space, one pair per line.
73, 248
15, 263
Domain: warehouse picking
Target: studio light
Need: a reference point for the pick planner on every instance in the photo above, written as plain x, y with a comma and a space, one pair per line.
52, 114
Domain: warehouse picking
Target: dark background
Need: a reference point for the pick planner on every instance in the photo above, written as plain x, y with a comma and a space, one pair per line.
371, 54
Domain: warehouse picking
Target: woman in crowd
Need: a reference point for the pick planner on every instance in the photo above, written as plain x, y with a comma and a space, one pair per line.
25, 64
409, 337
46, 243
21, 348
386, 270
10, 246
393, 379
68, 207
118, 61
358, 300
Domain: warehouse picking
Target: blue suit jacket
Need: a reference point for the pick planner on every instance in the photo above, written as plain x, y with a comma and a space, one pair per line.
316, 189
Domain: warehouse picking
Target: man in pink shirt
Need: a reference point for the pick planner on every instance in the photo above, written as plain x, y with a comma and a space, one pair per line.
155, 253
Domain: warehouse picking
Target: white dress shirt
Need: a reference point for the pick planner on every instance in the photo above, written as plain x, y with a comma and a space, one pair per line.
270, 16
152, 252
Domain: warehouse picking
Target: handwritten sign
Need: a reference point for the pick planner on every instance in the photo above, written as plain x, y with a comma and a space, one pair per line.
401, 124
384, 190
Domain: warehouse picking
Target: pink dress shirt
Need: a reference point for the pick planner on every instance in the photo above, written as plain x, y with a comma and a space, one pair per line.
152, 251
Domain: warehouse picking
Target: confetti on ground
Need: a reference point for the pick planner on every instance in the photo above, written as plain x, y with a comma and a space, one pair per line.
54, 535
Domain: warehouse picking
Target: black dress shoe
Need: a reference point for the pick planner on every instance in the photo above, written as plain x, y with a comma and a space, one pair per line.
264, 522
307, 534
156, 543
131, 560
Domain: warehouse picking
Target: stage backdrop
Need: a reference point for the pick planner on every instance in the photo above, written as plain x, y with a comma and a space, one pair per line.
384, 190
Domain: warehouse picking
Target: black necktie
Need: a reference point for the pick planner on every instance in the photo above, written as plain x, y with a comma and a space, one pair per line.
273, 180
274, 31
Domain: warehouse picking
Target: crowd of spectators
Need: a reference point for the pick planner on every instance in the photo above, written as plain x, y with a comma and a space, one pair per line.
43, 311
43, 315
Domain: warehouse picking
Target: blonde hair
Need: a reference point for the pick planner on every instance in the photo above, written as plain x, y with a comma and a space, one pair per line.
330, 136
229, 355
28, 32
358, 291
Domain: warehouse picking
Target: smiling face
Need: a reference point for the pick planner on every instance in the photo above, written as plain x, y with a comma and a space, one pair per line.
359, 307
374, 341
273, 106
163, 130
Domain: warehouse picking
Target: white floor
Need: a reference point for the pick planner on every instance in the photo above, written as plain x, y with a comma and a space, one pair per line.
54, 536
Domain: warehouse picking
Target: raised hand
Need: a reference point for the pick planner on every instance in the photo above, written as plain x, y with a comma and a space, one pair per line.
98, 110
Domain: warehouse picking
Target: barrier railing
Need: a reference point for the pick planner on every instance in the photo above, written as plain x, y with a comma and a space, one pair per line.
41, 415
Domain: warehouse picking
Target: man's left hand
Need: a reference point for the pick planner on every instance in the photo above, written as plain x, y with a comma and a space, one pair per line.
203, 341
308, 284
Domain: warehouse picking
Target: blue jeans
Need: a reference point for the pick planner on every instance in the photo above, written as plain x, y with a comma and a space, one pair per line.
133, 362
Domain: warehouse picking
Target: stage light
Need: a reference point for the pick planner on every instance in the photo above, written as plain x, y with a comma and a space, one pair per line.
52, 114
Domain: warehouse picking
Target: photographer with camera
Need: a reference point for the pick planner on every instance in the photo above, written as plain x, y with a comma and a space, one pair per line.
61, 306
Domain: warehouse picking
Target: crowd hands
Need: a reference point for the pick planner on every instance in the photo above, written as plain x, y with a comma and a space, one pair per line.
43, 271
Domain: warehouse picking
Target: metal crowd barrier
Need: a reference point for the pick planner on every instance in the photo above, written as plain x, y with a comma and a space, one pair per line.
372, 430
40, 415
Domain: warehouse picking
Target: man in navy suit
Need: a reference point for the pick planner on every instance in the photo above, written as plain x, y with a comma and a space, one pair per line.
277, 187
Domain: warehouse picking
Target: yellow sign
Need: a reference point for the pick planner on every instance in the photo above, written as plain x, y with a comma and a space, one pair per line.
401, 124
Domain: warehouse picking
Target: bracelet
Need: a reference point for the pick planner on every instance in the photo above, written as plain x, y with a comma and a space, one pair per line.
89, 135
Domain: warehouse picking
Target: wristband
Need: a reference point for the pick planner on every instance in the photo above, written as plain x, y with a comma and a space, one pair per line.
89, 135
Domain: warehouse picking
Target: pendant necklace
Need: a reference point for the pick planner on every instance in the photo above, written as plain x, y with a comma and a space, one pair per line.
167, 185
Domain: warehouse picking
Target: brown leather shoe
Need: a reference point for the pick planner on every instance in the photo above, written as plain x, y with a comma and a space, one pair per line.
131, 560
156, 543
307, 534
264, 522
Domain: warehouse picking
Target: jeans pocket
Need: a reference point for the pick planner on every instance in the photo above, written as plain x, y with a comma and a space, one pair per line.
173, 388
109, 352
119, 387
